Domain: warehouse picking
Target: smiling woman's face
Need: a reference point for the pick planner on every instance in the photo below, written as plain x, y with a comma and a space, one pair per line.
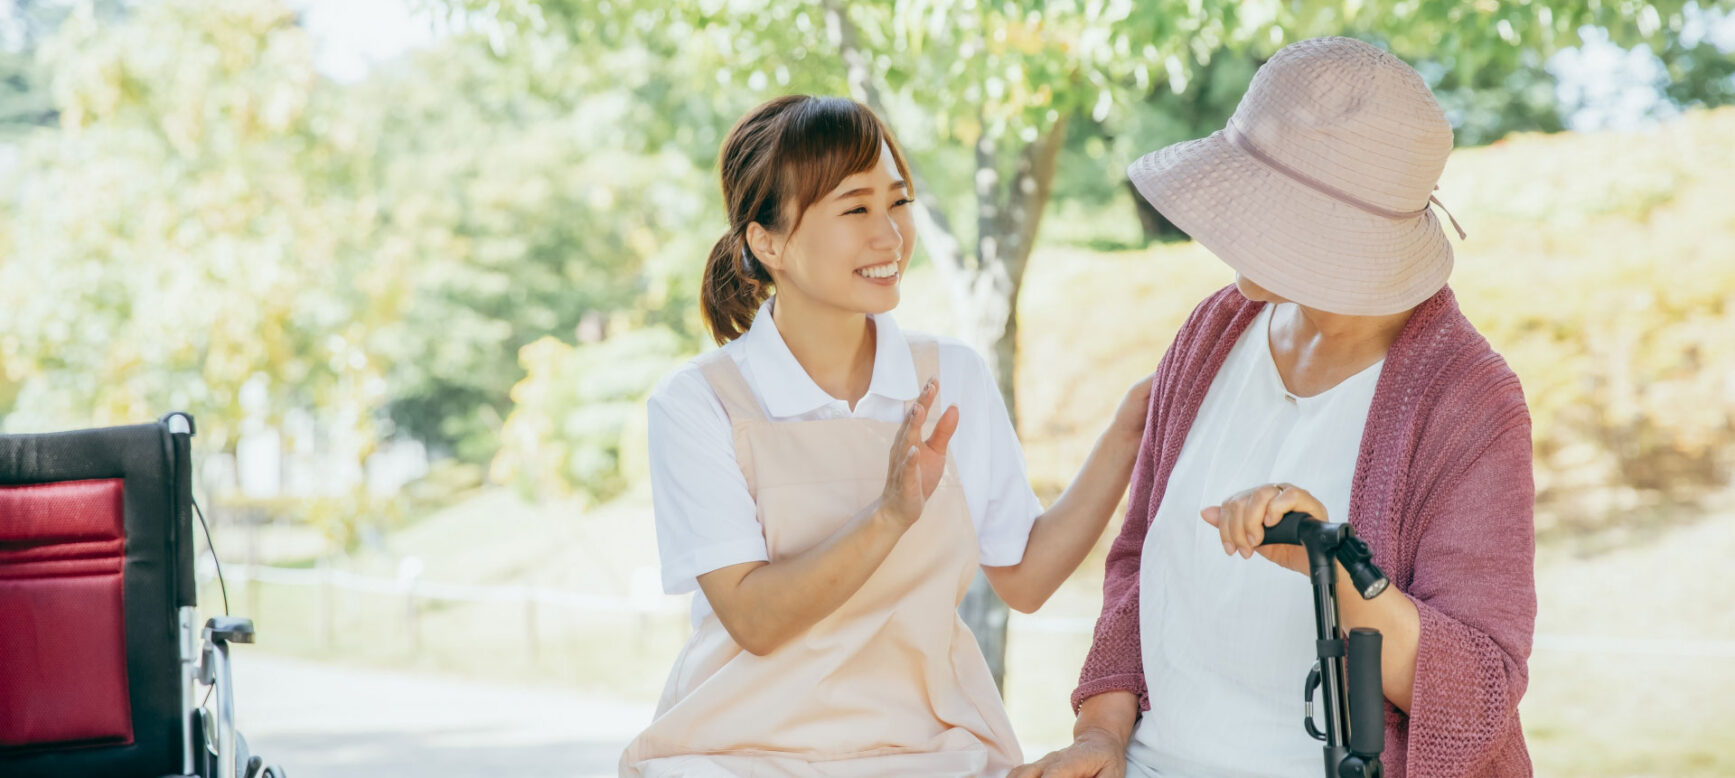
850, 249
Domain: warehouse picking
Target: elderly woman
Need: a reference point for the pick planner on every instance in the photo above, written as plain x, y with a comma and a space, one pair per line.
1336, 377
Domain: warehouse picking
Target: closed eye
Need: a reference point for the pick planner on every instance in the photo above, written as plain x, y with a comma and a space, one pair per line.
863, 209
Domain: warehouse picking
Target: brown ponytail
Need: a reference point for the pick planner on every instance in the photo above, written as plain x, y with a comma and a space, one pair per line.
778, 160
734, 287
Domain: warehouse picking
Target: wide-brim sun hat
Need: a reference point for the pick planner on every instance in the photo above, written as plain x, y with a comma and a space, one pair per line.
1318, 189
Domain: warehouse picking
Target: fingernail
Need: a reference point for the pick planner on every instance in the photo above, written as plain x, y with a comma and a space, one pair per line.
1228, 549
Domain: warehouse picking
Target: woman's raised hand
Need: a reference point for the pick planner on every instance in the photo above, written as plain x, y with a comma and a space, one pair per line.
916, 464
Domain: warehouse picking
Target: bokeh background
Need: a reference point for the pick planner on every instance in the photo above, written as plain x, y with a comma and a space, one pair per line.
415, 265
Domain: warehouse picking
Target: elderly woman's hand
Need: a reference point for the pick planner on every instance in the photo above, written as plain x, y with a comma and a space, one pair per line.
1242, 520
1093, 754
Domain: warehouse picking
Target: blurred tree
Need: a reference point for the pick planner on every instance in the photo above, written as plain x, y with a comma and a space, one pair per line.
525, 219
1005, 79
181, 217
578, 408
210, 209
25, 98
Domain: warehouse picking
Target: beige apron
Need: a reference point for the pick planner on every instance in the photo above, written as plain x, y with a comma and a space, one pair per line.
892, 682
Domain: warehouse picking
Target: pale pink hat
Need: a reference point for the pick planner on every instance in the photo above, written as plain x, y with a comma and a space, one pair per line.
1318, 189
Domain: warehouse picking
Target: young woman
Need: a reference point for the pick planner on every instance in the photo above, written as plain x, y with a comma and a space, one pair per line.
824, 510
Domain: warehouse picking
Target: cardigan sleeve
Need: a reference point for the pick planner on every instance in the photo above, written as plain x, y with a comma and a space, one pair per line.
1474, 587
1115, 661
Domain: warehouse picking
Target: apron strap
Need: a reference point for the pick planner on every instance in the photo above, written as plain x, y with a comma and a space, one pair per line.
925, 350
739, 403
731, 387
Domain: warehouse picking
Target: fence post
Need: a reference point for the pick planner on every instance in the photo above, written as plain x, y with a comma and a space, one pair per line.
409, 569
530, 624
253, 563
327, 604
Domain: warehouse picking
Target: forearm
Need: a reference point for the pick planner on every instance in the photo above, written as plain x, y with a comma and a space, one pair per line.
1400, 626
1110, 714
1066, 532
771, 603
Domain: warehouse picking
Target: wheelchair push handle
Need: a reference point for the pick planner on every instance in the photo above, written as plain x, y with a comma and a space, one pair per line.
1367, 703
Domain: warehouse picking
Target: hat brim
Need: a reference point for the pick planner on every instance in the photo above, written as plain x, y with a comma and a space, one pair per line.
1291, 238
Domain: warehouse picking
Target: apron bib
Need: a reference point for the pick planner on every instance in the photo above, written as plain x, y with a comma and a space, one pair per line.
892, 682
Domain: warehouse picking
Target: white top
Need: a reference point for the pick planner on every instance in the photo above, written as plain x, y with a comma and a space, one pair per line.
1227, 641
705, 517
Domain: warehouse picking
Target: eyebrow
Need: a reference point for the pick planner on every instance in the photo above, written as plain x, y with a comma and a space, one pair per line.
866, 190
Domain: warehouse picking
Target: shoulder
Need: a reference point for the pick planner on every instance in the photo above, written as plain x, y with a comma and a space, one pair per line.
1203, 341
685, 391
1456, 371
954, 351
1478, 385
1218, 313
960, 363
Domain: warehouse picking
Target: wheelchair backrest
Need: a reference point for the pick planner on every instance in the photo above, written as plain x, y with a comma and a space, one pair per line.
96, 560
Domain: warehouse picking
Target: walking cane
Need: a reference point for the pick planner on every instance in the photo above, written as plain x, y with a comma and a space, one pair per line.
1355, 727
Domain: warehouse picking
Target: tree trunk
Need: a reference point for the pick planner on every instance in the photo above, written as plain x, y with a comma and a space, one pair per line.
1151, 221
984, 292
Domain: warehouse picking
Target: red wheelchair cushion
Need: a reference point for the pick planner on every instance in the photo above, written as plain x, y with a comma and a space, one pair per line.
63, 673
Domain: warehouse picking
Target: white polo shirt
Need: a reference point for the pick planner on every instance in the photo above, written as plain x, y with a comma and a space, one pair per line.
705, 517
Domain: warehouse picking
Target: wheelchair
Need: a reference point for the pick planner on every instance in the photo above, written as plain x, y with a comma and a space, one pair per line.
102, 672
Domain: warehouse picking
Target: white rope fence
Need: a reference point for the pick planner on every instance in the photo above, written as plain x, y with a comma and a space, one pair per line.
647, 601
651, 602
450, 592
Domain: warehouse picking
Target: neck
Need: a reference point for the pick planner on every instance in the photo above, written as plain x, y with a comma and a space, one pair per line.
1315, 350
834, 346
1334, 333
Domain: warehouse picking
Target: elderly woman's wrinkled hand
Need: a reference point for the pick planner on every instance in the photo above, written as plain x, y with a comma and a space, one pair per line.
1092, 755
1242, 519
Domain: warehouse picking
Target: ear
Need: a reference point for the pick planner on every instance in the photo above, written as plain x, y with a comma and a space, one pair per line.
766, 247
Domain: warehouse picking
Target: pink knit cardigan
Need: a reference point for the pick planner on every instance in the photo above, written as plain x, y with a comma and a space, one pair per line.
1442, 493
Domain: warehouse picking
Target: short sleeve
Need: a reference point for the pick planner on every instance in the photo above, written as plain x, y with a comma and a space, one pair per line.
1010, 506
705, 517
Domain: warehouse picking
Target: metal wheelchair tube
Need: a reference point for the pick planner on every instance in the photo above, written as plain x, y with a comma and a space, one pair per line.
217, 674
189, 649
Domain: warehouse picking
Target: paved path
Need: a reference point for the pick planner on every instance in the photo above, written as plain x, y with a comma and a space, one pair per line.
325, 721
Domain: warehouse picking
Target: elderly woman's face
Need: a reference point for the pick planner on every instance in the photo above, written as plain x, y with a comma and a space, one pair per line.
1255, 292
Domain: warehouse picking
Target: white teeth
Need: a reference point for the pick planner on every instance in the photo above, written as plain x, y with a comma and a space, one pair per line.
880, 271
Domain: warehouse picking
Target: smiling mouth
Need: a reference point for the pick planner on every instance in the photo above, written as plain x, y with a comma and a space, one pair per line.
887, 270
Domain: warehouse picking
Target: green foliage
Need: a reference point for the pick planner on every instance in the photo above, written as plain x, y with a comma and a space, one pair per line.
212, 210
180, 232
400, 254
577, 426
520, 223
951, 73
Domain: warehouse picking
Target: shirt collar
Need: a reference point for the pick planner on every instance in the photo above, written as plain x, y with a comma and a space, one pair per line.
788, 390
